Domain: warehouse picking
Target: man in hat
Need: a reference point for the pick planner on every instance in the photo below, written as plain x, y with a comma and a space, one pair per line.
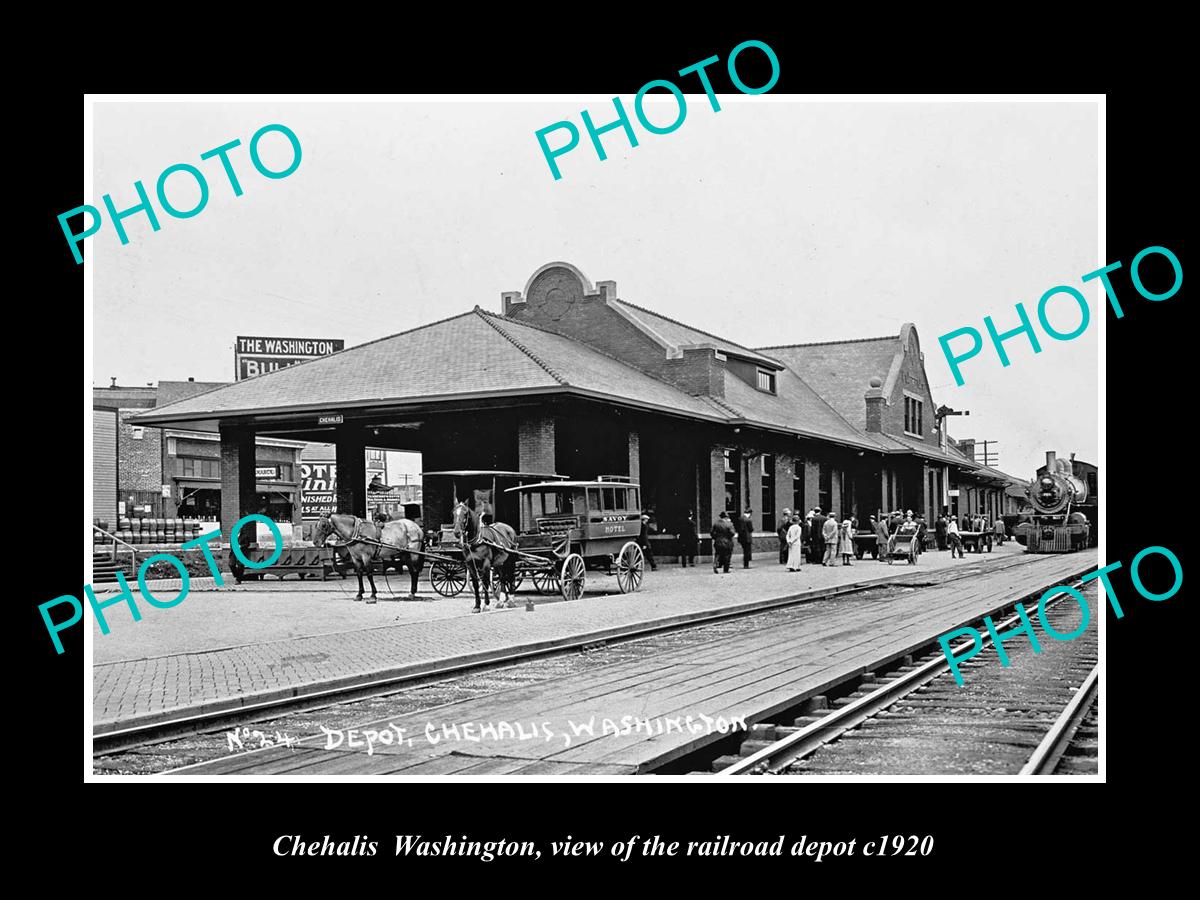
829, 533
816, 536
785, 524
745, 535
644, 542
722, 534
881, 538
687, 541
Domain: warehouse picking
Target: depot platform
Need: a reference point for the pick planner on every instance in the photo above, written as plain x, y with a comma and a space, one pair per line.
582, 724
224, 649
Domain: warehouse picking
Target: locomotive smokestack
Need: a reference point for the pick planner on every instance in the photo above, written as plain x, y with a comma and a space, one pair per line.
1050, 457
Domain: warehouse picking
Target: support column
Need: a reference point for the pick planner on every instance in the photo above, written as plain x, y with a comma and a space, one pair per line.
812, 485
716, 488
784, 467
635, 457
535, 444
351, 471
238, 493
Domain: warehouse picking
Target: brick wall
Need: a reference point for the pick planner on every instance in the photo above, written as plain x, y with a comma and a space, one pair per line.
635, 457
812, 484
783, 488
535, 442
556, 302
139, 459
912, 379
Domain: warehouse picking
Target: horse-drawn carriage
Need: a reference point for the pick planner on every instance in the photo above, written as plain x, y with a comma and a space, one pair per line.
568, 527
565, 528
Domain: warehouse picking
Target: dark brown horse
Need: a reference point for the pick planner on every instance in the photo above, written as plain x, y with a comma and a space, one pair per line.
486, 549
365, 542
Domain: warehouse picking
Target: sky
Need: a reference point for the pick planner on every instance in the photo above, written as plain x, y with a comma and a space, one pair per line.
776, 220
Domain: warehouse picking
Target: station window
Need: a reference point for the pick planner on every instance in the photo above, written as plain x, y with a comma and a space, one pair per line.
768, 488
732, 465
825, 487
766, 381
913, 416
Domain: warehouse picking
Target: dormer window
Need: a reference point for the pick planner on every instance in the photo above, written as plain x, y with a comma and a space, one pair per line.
766, 381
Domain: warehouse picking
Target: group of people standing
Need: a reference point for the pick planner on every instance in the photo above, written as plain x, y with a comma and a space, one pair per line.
827, 539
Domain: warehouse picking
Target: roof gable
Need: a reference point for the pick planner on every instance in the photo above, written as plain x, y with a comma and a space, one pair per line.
676, 337
841, 371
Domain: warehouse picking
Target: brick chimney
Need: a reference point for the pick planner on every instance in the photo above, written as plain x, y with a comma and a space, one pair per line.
875, 403
967, 446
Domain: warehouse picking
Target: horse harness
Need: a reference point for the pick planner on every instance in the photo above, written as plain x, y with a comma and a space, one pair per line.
356, 538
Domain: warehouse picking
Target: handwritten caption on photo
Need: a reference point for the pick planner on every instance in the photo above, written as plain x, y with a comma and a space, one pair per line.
367, 739
410, 845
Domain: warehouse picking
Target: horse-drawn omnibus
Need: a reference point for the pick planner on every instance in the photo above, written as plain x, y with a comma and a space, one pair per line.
567, 527
481, 491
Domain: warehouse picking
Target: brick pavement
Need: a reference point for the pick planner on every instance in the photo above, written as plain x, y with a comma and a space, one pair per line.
222, 649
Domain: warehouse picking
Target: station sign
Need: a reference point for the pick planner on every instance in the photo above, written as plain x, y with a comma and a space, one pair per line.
259, 355
266, 473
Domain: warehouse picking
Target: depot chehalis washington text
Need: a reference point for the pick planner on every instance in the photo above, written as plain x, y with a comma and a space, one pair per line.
1026, 326
126, 596
1026, 626
622, 116
145, 206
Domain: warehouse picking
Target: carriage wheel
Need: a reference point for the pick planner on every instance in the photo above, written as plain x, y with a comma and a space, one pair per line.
546, 581
448, 579
518, 579
631, 565
572, 578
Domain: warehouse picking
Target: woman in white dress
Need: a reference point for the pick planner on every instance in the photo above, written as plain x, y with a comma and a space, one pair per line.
795, 536
846, 542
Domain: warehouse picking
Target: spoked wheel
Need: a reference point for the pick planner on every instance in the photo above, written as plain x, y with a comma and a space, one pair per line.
518, 580
546, 581
631, 564
448, 579
572, 578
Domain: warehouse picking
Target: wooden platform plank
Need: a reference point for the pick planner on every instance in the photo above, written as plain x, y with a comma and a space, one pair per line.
749, 674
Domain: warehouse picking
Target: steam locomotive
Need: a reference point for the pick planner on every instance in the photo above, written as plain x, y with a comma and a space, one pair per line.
1057, 523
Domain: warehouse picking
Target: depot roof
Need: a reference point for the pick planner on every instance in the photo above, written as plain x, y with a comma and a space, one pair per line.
482, 354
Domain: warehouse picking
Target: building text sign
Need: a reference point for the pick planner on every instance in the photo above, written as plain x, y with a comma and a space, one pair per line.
259, 355
318, 489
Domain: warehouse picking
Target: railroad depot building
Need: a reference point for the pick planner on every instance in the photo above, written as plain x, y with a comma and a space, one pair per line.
570, 379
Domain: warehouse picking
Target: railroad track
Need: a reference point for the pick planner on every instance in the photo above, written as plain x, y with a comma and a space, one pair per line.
121, 740
891, 718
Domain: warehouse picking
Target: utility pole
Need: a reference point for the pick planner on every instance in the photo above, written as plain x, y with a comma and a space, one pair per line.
989, 459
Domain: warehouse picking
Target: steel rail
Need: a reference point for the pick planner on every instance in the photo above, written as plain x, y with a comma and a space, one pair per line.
1044, 759
785, 751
